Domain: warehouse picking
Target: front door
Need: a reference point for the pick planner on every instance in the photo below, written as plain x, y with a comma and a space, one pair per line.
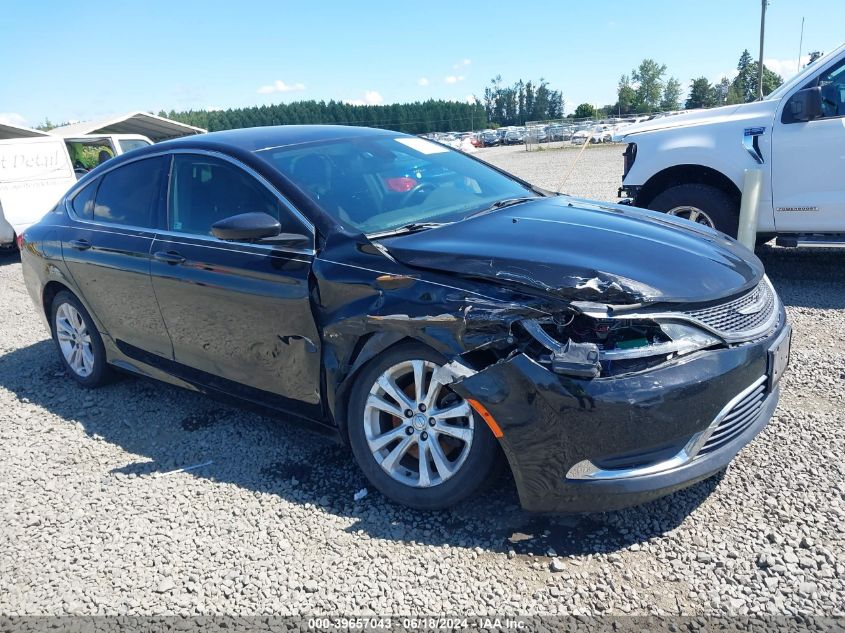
239, 314
106, 248
808, 162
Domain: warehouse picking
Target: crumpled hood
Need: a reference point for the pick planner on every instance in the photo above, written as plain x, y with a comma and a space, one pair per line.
758, 112
582, 251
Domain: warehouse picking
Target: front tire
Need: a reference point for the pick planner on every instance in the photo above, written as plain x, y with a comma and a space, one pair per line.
416, 440
78, 342
702, 204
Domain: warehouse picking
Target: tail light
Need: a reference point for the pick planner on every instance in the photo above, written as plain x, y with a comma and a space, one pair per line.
400, 184
19, 240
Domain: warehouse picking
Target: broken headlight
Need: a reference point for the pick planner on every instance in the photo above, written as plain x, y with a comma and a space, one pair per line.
588, 348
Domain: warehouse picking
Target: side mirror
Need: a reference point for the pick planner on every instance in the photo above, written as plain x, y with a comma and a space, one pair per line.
805, 105
246, 227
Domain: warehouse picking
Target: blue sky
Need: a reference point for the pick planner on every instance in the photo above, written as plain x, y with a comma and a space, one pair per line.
87, 59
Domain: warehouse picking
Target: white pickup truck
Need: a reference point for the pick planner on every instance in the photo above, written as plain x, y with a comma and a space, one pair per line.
692, 165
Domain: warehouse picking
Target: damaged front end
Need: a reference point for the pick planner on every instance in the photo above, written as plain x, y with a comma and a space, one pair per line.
585, 347
578, 372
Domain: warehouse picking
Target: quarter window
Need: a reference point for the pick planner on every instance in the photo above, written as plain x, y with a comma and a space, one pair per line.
204, 190
83, 202
131, 194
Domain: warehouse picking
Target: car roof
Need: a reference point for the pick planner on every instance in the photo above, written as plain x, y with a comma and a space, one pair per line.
257, 138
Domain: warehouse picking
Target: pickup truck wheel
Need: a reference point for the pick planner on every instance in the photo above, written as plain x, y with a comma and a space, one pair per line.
702, 204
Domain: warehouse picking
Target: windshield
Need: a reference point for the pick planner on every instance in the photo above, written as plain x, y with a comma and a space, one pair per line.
380, 183
778, 92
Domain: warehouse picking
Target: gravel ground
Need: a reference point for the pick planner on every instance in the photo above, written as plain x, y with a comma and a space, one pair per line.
94, 521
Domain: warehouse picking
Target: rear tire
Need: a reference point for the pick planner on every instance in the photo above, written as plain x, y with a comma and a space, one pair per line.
703, 204
78, 342
461, 454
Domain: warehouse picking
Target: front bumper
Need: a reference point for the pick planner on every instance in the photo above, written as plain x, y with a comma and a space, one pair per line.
551, 423
628, 194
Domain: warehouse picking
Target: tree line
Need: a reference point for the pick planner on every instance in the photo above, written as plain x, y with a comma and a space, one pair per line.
645, 89
521, 102
418, 117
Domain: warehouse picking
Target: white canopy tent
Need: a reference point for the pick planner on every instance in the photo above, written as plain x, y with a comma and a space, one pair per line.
154, 127
7, 131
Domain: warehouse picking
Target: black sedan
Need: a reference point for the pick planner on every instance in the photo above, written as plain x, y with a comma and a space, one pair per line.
436, 318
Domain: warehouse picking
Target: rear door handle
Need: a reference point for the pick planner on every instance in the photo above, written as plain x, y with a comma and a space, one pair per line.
169, 257
80, 245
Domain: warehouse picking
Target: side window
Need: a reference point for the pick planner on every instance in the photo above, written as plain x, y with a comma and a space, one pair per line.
83, 202
131, 194
204, 190
832, 84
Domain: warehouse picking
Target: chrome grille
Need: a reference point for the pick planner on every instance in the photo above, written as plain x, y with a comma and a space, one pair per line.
728, 320
737, 419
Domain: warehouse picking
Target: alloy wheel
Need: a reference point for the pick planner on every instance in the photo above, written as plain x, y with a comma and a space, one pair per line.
419, 431
693, 214
74, 340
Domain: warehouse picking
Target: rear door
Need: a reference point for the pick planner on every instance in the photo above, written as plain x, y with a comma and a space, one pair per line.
808, 161
239, 313
106, 247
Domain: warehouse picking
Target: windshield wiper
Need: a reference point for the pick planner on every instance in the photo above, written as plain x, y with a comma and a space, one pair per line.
411, 227
501, 204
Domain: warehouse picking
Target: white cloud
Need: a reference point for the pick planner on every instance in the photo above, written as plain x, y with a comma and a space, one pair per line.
453, 79
786, 67
281, 86
462, 64
13, 118
371, 97
422, 81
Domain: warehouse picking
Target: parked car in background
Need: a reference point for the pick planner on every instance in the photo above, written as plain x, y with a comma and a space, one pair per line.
436, 325
490, 139
513, 138
34, 173
692, 165
536, 135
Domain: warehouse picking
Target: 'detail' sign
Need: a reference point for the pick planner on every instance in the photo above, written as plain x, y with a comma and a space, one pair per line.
33, 159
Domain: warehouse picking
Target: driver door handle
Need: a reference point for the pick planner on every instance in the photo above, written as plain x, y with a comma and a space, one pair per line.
169, 257
80, 245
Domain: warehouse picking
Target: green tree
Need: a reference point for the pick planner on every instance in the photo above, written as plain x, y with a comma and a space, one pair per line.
722, 90
671, 95
745, 83
584, 111
701, 94
649, 76
626, 96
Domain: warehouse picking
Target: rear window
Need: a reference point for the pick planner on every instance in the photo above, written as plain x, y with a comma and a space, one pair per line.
131, 194
128, 144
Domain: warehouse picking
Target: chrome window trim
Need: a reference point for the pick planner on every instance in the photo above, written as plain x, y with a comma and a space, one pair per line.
308, 225
229, 246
